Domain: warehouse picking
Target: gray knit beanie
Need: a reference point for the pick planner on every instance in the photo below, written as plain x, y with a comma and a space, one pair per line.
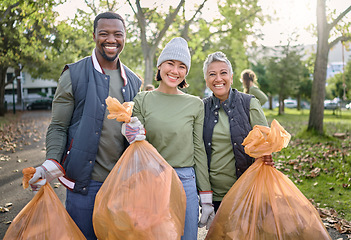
176, 49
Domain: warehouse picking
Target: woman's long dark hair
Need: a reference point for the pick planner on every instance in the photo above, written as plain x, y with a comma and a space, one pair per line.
248, 76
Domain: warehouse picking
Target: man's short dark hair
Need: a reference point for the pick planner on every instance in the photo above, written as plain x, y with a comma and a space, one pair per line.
108, 15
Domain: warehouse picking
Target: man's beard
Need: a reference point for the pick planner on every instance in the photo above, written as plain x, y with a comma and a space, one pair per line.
104, 55
110, 59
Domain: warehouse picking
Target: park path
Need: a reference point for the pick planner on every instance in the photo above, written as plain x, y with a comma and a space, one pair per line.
27, 150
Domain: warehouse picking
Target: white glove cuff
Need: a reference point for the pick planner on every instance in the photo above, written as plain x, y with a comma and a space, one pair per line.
53, 169
206, 197
123, 129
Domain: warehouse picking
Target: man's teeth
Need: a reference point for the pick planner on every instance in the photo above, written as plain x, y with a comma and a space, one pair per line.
110, 47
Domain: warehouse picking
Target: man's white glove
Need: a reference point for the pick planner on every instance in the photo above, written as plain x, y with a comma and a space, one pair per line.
133, 131
48, 171
37, 185
207, 210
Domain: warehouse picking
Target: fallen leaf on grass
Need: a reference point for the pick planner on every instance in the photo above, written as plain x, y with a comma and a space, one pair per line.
331, 219
337, 226
293, 162
314, 173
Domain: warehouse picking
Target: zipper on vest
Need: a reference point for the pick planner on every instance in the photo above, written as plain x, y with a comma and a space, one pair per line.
68, 151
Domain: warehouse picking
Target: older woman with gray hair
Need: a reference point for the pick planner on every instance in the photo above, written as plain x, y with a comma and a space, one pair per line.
229, 116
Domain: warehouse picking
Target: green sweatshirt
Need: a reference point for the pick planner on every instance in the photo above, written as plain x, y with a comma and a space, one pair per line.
261, 96
174, 126
222, 173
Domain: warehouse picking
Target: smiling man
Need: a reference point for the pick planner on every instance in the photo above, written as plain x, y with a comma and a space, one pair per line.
82, 145
109, 36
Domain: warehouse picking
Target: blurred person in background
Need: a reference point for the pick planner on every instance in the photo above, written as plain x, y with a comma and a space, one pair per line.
250, 84
149, 87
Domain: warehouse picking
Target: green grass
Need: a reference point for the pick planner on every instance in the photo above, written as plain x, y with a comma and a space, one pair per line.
320, 166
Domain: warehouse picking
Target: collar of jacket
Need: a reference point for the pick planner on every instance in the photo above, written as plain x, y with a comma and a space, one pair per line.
98, 67
216, 103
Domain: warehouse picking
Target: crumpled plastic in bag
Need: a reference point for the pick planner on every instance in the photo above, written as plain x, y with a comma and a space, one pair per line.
43, 218
118, 111
263, 140
265, 204
142, 197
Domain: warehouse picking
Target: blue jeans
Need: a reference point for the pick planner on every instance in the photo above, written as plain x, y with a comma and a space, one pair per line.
80, 207
187, 177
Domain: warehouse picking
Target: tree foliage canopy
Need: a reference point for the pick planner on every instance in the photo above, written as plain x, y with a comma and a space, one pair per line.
26, 31
287, 74
340, 84
26, 28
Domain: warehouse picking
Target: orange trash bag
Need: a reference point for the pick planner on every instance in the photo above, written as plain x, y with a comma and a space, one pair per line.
43, 218
264, 204
142, 197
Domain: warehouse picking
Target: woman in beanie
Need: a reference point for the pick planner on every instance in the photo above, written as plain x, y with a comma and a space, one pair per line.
229, 117
249, 80
173, 122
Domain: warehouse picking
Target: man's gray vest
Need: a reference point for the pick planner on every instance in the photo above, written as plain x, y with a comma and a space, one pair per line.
90, 89
237, 107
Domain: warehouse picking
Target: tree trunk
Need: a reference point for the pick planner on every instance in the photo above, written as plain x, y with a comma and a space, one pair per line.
281, 105
149, 73
316, 117
298, 99
270, 99
3, 71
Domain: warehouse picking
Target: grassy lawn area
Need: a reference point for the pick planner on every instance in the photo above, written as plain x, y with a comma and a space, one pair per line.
319, 166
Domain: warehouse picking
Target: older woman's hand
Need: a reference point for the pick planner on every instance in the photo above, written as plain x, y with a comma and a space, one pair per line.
268, 160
